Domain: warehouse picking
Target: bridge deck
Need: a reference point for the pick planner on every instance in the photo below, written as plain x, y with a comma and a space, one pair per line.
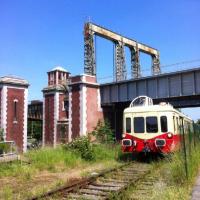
181, 88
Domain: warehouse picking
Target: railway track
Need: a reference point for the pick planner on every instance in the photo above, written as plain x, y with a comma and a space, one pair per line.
101, 186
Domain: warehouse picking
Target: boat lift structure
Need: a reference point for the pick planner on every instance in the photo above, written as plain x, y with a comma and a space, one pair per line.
90, 30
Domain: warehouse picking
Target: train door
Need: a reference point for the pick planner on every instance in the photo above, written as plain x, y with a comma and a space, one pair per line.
176, 124
170, 121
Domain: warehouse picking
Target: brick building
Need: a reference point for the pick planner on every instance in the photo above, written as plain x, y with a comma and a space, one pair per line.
35, 109
71, 107
13, 110
55, 107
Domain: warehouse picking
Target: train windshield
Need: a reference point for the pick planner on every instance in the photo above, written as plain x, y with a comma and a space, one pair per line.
139, 124
151, 124
128, 125
163, 122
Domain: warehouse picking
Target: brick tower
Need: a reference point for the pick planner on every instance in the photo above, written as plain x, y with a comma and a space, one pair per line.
84, 105
55, 107
13, 110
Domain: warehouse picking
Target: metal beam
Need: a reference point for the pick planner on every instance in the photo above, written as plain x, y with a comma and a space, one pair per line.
120, 63
135, 63
110, 35
89, 52
156, 65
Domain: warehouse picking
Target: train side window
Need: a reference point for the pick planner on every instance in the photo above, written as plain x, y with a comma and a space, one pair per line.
152, 124
163, 122
128, 125
177, 124
139, 124
174, 122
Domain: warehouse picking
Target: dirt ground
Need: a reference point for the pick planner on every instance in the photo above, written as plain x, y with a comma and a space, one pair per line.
17, 188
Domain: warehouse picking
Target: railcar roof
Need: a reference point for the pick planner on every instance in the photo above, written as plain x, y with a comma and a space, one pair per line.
154, 108
149, 108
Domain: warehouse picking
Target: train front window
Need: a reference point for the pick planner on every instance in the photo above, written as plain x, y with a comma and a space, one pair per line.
152, 124
139, 124
128, 125
163, 122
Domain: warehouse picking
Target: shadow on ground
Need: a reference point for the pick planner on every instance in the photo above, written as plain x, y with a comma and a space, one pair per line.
142, 157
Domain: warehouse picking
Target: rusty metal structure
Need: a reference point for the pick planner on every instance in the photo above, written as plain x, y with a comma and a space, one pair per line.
90, 30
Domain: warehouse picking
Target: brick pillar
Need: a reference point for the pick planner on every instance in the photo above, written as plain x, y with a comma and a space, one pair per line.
55, 117
13, 110
84, 105
50, 116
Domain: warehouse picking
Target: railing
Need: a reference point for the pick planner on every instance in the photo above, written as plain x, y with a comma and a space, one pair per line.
175, 67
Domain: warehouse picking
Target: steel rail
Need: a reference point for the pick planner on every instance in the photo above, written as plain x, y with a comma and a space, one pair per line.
98, 186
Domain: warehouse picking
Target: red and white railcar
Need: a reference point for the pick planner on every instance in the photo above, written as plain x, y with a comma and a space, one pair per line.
152, 128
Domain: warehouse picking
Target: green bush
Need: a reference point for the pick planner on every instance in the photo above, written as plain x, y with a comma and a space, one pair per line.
104, 133
4, 148
82, 147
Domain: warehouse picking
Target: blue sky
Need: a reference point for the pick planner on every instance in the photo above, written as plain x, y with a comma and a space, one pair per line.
36, 35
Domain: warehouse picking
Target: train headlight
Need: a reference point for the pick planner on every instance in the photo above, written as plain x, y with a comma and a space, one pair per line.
160, 142
127, 142
124, 135
169, 135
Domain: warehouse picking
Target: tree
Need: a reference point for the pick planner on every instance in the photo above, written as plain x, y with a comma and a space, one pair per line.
35, 130
198, 122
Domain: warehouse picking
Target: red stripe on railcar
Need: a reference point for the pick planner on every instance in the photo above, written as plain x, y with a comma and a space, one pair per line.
142, 145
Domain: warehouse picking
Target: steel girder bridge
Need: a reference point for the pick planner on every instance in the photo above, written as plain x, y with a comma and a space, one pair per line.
181, 89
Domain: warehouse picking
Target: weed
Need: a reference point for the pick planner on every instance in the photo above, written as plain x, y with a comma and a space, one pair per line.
104, 133
49, 158
81, 146
1, 134
7, 193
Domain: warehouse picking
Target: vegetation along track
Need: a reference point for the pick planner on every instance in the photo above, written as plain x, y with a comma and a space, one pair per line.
101, 186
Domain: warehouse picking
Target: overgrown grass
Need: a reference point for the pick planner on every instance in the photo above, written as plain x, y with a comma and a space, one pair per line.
106, 152
171, 182
55, 160
15, 169
177, 167
176, 184
52, 163
43, 159
50, 159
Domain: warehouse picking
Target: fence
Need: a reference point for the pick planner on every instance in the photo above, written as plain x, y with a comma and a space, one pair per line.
190, 142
